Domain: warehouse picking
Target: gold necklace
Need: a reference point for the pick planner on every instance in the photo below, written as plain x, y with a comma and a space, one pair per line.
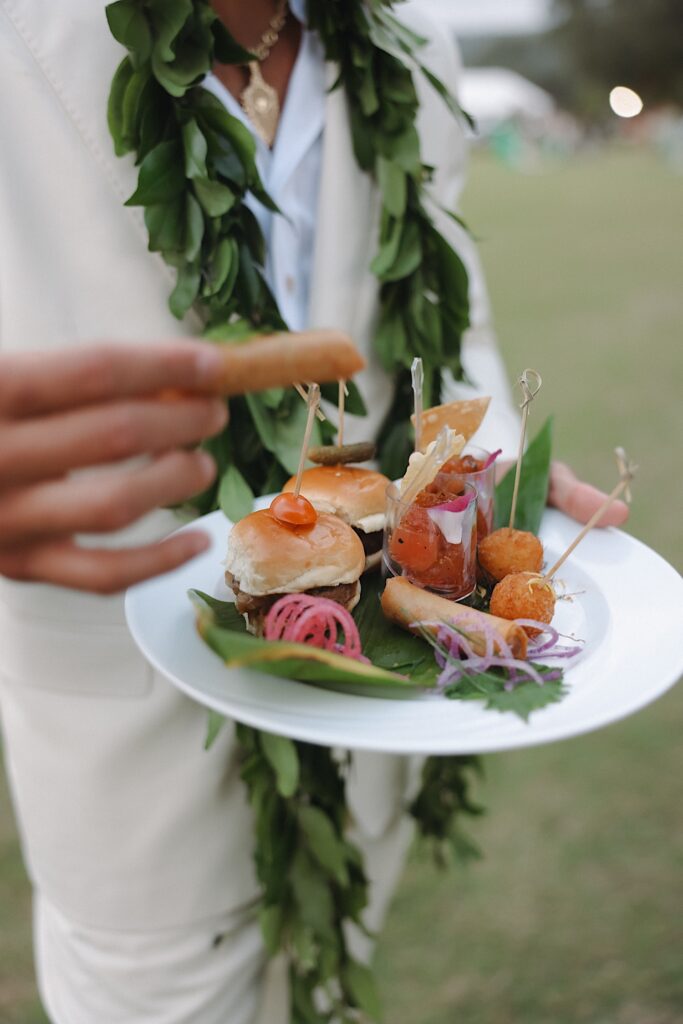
259, 99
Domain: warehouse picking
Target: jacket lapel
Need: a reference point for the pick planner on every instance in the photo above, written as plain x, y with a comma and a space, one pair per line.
348, 213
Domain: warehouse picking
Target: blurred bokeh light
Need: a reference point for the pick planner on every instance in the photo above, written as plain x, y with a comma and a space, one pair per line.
625, 102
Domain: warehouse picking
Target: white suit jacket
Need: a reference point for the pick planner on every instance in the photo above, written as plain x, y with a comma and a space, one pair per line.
126, 821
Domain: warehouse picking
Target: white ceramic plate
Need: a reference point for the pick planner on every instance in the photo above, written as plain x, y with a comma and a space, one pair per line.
628, 607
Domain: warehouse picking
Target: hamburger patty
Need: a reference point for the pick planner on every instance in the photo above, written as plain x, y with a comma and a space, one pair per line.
372, 542
343, 594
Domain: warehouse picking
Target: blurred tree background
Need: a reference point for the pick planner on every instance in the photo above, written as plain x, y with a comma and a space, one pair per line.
592, 46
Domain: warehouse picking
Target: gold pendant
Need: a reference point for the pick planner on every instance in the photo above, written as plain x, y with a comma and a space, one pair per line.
261, 104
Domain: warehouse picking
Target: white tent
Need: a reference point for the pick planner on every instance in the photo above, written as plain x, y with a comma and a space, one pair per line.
491, 17
493, 95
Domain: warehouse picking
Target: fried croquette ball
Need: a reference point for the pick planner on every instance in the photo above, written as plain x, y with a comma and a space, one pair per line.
508, 551
524, 595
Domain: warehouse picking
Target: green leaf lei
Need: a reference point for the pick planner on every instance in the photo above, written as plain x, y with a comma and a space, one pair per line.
196, 167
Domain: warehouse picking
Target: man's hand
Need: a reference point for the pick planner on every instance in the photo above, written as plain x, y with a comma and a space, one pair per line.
91, 407
580, 500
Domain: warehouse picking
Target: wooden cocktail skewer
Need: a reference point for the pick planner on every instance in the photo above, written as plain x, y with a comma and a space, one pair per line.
529, 595
301, 390
627, 471
506, 550
313, 401
341, 402
417, 374
529, 394
292, 508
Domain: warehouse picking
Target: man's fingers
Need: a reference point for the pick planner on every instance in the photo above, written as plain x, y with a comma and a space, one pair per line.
47, 447
580, 500
100, 571
102, 503
41, 382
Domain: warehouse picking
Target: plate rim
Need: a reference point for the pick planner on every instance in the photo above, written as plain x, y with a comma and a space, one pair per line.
300, 730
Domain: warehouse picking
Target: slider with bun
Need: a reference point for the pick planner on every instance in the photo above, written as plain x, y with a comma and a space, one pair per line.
267, 558
355, 495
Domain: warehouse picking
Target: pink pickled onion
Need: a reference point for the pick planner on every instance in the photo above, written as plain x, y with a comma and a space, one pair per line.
458, 504
550, 647
305, 619
491, 459
457, 659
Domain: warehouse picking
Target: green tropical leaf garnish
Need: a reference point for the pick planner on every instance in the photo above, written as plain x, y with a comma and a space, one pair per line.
533, 486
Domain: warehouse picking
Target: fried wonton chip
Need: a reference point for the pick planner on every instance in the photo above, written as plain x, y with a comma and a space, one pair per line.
463, 417
424, 466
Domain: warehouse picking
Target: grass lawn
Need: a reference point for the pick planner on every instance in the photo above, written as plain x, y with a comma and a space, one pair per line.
575, 916
576, 913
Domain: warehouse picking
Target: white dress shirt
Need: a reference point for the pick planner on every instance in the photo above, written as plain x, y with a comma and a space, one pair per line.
291, 175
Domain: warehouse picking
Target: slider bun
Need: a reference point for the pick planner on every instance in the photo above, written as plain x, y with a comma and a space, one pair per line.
350, 492
266, 557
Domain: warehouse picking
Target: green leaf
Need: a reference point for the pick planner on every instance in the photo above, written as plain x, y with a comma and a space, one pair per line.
235, 496
165, 224
264, 421
353, 403
391, 345
367, 94
446, 96
194, 228
154, 120
289, 433
271, 921
323, 842
133, 105
195, 148
227, 49
527, 697
214, 724
359, 981
304, 945
313, 896
185, 291
392, 182
395, 450
404, 37
122, 143
388, 250
225, 255
533, 484
216, 199
387, 645
408, 256
234, 332
406, 151
211, 110
161, 176
168, 17
281, 755
129, 27
521, 700
292, 661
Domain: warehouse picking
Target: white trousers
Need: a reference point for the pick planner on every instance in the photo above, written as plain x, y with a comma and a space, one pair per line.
209, 972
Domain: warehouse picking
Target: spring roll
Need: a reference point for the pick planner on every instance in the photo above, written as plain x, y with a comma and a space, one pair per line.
279, 360
410, 607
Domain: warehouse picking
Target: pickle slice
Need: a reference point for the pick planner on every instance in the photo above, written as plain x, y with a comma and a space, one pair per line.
340, 455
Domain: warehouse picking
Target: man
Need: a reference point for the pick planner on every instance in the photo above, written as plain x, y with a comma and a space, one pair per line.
137, 841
